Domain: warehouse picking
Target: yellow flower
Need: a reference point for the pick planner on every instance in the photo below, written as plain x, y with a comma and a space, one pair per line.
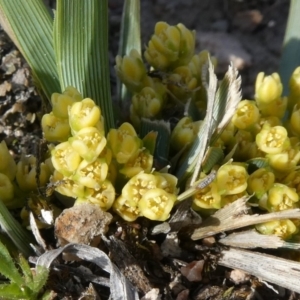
295, 120
156, 204
260, 181
281, 197
294, 86
147, 103
170, 46
55, 129
65, 159
167, 182
246, 115
88, 142
131, 70
142, 162
7, 165
207, 198
84, 114
26, 173
272, 140
103, 196
60, 105
73, 93
127, 209
275, 108
231, 179
184, 133
282, 228
292, 180
6, 189
124, 143
267, 88
91, 174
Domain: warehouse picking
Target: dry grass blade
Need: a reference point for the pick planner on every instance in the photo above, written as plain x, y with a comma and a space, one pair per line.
236, 215
250, 239
276, 270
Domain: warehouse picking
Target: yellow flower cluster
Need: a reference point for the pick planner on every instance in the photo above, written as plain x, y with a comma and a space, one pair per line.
259, 138
89, 166
175, 74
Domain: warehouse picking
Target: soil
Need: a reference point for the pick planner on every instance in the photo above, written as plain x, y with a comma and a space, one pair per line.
249, 33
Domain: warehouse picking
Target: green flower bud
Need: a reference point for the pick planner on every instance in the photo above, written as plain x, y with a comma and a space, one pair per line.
170, 46
65, 159
124, 143
73, 93
84, 114
156, 204
231, 179
88, 142
275, 108
131, 70
55, 129
246, 115
267, 88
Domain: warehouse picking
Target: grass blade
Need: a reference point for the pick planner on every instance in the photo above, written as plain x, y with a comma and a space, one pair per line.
290, 58
81, 49
130, 38
29, 25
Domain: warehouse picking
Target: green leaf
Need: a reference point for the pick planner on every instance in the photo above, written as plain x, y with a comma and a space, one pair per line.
7, 266
28, 277
290, 58
29, 25
81, 49
11, 291
130, 37
15, 231
40, 278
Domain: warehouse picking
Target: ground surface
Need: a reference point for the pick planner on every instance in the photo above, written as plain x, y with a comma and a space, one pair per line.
249, 33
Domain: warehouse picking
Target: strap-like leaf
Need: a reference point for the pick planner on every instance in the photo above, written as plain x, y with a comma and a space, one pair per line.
290, 58
130, 37
81, 49
29, 25
15, 231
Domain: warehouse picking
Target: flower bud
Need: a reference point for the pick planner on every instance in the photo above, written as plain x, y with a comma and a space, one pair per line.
246, 115
6, 189
170, 46
124, 143
167, 182
88, 142
267, 88
55, 129
231, 179
26, 173
131, 70
65, 159
84, 114
272, 140
276, 108
156, 204
260, 181
292, 180
73, 93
